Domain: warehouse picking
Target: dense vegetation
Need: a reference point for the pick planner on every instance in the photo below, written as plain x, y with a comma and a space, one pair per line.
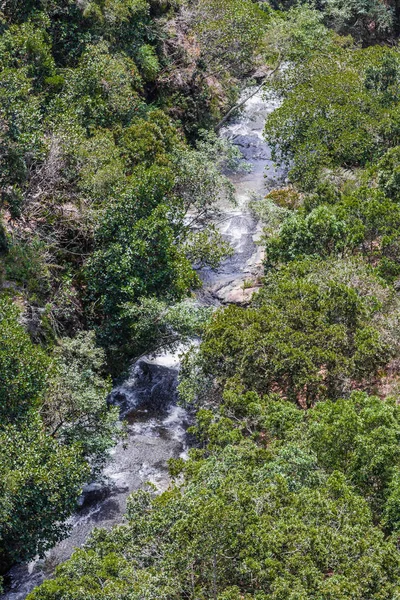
104, 111
107, 115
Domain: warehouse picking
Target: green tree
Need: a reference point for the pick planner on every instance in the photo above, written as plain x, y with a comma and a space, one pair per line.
358, 436
246, 522
230, 34
311, 333
365, 222
75, 410
24, 368
40, 482
336, 113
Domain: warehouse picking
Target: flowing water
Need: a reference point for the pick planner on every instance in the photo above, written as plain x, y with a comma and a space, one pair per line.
238, 277
156, 425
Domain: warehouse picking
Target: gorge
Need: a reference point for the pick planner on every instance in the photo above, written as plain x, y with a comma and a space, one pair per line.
148, 399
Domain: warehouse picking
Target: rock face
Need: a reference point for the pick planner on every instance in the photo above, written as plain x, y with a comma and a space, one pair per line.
234, 293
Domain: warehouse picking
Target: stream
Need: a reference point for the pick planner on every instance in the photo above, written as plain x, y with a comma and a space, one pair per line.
148, 399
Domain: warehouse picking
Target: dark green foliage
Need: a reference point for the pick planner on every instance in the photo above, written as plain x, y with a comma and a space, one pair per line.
230, 33
312, 333
102, 91
150, 237
24, 369
75, 411
359, 437
140, 258
96, 185
388, 173
341, 112
24, 264
81, 141
364, 223
20, 112
40, 482
44, 460
249, 523
367, 21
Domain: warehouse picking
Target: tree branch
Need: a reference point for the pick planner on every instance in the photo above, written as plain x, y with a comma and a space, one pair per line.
243, 102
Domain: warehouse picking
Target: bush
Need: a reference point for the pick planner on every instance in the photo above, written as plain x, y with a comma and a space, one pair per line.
313, 332
24, 368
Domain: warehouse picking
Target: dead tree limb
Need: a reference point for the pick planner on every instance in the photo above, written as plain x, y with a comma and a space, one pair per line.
239, 105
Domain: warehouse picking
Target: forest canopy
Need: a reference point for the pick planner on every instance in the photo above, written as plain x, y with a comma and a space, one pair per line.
112, 180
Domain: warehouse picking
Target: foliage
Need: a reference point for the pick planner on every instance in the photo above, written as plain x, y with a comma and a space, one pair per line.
139, 259
40, 482
150, 237
297, 36
310, 334
359, 436
44, 460
366, 20
364, 222
246, 524
104, 208
25, 264
23, 367
101, 91
79, 130
387, 173
339, 113
165, 325
229, 33
75, 410
356, 436
109, 187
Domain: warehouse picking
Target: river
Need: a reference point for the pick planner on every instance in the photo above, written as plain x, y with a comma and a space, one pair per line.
156, 424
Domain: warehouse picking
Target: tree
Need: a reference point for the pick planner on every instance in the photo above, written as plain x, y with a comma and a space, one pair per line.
247, 524
365, 222
335, 128
311, 333
366, 20
230, 34
151, 237
358, 436
40, 482
75, 410
102, 91
24, 368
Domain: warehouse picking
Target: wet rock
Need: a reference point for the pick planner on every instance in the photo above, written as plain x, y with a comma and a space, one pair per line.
235, 293
94, 492
263, 70
151, 386
252, 147
24, 573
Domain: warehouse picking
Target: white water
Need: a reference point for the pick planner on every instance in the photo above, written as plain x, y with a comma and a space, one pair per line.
238, 224
157, 426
